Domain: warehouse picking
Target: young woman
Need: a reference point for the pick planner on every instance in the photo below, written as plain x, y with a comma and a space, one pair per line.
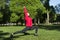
28, 23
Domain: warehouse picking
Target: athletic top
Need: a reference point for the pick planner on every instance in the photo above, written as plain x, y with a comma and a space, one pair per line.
27, 18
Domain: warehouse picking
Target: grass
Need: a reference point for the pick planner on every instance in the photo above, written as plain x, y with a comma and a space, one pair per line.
44, 33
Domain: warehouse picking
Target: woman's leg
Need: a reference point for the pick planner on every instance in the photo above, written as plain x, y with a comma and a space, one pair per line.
22, 31
36, 29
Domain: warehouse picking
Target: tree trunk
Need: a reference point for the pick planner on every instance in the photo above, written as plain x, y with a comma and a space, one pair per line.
47, 20
38, 21
35, 21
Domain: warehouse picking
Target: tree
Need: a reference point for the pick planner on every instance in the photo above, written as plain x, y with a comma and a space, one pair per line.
39, 15
2, 6
1, 17
16, 6
2, 3
52, 14
13, 17
46, 5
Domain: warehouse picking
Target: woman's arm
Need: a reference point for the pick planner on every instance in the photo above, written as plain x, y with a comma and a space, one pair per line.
25, 12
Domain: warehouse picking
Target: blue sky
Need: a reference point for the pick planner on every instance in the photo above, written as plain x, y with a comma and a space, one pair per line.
54, 2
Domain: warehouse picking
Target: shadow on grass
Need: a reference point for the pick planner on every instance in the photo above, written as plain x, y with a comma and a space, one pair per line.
50, 27
14, 37
11, 38
1, 31
2, 34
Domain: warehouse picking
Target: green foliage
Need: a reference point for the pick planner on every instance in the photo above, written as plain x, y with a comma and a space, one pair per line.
1, 16
32, 6
2, 3
14, 17
53, 15
16, 9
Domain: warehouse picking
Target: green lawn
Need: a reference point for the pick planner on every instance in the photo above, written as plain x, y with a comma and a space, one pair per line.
44, 33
